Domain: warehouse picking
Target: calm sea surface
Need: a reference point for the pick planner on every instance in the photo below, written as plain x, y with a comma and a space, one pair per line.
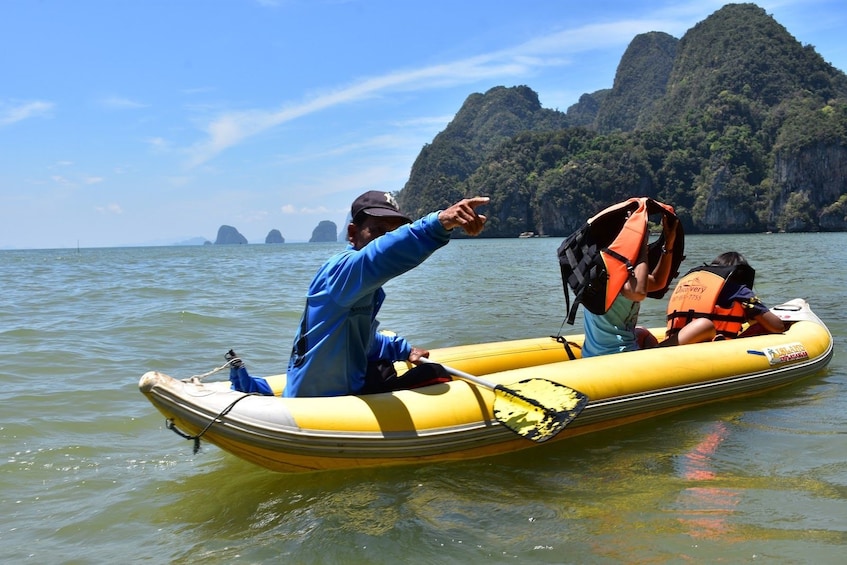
89, 474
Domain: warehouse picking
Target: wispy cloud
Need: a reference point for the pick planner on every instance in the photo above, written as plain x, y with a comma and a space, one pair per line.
11, 113
230, 129
75, 179
253, 217
556, 49
291, 209
426, 121
120, 103
197, 90
392, 142
158, 143
332, 185
110, 209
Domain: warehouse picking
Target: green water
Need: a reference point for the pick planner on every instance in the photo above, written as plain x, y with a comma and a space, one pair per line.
89, 474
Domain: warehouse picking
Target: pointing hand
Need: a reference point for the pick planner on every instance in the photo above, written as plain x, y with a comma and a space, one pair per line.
463, 215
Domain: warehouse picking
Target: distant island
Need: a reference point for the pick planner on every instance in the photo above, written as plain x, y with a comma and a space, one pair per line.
194, 241
274, 236
324, 232
228, 235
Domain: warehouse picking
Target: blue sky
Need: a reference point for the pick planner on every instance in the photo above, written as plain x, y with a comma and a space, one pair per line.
150, 122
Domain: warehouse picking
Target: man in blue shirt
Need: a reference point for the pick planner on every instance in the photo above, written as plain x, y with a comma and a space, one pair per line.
337, 349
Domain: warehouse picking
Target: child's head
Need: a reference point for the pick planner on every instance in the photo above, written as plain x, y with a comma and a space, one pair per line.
743, 274
729, 259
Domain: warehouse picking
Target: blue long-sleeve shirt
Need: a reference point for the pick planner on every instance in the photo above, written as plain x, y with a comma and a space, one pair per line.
338, 331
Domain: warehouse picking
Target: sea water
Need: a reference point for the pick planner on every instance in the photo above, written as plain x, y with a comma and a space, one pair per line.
90, 474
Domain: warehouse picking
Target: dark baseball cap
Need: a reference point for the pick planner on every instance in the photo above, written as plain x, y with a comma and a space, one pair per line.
379, 204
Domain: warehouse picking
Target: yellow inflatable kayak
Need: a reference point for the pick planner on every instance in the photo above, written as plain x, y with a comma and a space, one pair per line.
456, 420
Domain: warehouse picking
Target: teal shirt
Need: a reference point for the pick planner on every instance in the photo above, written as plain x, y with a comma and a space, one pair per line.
612, 332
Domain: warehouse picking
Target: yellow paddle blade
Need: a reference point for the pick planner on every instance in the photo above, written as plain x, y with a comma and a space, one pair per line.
537, 409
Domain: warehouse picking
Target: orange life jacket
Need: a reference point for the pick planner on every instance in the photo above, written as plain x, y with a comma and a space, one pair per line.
696, 296
597, 259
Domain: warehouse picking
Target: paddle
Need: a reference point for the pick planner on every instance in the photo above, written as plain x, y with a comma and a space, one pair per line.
536, 409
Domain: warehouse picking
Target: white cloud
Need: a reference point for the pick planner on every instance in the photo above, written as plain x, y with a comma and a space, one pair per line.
291, 209
180, 180
393, 142
93, 180
158, 143
253, 217
426, 121
120, 103
110, 209
198, 90
10, 114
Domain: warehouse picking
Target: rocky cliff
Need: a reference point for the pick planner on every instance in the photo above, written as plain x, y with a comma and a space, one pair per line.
810, 179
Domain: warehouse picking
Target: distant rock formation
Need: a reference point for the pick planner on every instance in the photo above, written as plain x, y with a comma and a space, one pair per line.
228, 235
324, 232
274, 237
194, 241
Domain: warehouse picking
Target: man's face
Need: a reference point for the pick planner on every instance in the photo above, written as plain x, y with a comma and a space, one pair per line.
370, 229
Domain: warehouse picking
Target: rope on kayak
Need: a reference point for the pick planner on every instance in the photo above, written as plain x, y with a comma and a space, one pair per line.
169, 423
196, 378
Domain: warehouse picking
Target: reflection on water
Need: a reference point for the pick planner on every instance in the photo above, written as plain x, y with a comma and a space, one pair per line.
706, 510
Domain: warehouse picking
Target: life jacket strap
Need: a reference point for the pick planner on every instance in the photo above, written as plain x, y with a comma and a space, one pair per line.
629, 266
561, 339
691, 314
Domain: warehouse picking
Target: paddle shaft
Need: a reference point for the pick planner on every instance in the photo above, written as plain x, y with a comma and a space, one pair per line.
463, 375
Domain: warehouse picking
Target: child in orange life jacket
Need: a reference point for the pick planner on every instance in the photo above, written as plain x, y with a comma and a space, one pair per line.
616, 330
716, 300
